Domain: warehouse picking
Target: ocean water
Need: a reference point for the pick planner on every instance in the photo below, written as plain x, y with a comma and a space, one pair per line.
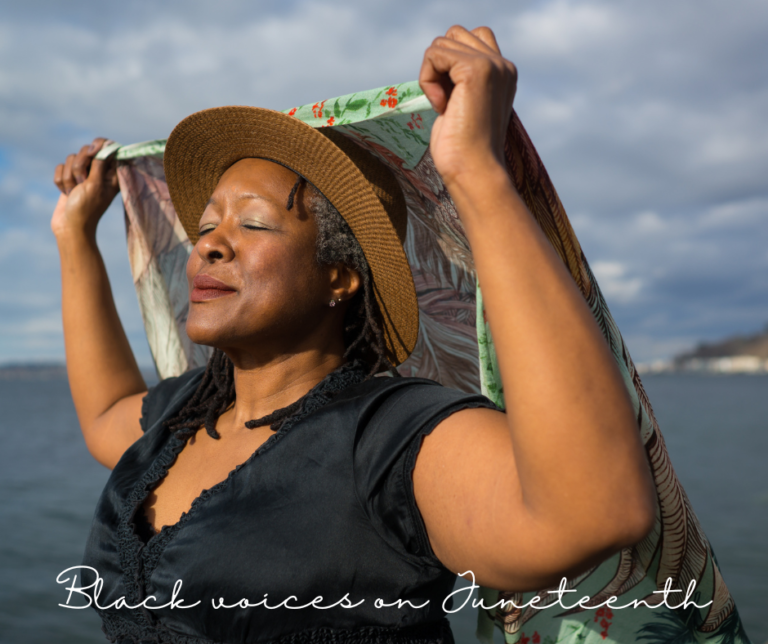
715, 429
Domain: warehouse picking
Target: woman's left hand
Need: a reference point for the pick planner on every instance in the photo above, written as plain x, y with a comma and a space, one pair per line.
471, 86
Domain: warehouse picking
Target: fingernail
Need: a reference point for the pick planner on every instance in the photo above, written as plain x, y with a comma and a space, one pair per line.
93, 148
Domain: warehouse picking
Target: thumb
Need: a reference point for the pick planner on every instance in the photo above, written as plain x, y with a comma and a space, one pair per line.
102, 169
97, 171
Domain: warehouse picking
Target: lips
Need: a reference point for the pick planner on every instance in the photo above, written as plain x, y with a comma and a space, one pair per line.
206, 288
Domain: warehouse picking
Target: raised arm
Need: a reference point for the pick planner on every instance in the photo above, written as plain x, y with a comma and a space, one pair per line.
107, 386
561, 481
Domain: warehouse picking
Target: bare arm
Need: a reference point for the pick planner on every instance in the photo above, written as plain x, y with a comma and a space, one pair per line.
564, 481
107, 386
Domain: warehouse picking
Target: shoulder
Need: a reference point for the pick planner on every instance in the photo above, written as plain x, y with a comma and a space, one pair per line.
397, 414
404, 406
385, 398
387, 445
169, 396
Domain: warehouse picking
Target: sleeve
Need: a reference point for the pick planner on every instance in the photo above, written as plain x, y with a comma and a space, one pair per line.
167, 397
386, 456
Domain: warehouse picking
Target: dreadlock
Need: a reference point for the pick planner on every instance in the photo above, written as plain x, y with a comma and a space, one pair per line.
365, 348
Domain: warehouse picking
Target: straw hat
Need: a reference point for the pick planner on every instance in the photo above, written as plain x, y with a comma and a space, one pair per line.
363, 190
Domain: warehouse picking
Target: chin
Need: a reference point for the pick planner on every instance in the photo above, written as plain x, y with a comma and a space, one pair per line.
209, 333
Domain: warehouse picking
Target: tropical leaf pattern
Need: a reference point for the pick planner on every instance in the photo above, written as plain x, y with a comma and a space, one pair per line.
158, 249
455, 348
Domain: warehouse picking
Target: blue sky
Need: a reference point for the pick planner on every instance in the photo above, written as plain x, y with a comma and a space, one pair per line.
651, 117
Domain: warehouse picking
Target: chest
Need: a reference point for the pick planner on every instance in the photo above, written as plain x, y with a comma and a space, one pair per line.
202, 463
309, 513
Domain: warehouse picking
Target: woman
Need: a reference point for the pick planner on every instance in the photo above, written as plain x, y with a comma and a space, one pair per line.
313, 478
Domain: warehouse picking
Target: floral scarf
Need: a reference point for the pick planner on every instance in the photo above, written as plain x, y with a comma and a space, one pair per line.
455, 348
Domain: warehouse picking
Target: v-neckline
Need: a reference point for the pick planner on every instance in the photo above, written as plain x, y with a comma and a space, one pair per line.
171, 451
139, 558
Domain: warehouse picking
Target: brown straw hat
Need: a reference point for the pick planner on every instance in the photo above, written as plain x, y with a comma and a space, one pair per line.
363, 190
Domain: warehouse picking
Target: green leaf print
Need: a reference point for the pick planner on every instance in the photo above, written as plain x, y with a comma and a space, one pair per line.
357, 104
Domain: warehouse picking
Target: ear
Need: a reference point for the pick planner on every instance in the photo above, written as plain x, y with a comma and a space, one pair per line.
344, 282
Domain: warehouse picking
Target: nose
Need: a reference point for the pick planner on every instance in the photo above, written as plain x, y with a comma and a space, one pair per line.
214, 246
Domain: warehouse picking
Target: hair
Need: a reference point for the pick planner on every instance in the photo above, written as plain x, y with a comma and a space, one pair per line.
363, 336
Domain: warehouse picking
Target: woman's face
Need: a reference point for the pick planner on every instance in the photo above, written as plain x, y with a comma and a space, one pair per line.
253, 277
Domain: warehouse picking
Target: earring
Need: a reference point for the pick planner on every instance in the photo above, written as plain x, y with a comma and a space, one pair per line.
332, 303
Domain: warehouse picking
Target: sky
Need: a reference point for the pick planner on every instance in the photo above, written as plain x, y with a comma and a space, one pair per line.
651, 118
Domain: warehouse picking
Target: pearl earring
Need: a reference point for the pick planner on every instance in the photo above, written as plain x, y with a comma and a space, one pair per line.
332, 303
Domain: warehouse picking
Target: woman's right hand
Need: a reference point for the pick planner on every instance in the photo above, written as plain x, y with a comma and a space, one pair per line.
88, 186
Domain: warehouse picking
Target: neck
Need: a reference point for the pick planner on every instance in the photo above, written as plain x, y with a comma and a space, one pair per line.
260, 389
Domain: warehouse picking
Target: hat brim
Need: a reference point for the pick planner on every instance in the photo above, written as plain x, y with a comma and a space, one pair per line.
205, 144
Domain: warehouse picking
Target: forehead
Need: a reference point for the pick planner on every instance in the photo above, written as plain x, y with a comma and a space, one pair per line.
255, 177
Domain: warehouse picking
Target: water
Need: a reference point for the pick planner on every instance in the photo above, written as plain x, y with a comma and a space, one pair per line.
715, 429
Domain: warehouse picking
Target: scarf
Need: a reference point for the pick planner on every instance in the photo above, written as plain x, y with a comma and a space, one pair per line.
456, 349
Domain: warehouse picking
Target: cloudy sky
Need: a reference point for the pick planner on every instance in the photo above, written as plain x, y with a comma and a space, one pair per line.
651, 117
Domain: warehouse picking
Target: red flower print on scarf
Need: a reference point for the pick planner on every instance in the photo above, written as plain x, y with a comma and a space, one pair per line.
317, 110
415, 121
606, 614
392, 100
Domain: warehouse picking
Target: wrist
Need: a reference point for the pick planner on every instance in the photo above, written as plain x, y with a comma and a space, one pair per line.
475, 171
480, 188
67, 236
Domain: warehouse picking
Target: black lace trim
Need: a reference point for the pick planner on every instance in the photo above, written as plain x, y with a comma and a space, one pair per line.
139, 560
122, 631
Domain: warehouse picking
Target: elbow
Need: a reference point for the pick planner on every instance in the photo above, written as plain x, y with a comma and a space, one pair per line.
639, 518
634, 510
647, 517
624, 521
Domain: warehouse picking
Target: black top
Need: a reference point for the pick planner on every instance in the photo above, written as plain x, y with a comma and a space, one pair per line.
325, 507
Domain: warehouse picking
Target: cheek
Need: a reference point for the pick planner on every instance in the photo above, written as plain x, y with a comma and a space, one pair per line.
193, 265
285, 278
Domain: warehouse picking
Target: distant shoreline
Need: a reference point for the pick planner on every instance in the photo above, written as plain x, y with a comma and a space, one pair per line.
738, 354
33, 371
51, 371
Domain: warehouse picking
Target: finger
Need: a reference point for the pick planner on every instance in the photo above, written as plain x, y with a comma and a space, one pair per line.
488, 37
470, 38
84, 157
58, 175
104, 172
97, 144
457, 45
81, 164
491, 52
439, 59
67, 179
437, 70
434, 80
111, 176
457, 64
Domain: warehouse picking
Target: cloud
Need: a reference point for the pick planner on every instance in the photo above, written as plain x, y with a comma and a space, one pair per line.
562, 29
648, 115
614, 282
